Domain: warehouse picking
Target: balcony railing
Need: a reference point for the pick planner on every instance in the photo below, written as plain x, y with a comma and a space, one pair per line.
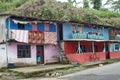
90, 35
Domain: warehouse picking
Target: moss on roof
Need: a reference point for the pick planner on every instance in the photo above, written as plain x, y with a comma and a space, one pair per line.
51, 9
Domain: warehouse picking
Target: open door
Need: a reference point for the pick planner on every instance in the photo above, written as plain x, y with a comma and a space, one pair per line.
40, 54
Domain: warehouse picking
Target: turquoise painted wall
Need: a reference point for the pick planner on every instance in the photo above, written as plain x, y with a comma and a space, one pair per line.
105, 32
67, 31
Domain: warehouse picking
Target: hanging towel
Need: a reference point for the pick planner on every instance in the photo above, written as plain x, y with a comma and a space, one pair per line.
19, 35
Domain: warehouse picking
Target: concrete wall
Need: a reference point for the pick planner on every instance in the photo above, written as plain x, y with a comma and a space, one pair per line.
3, 31
87, 57
12, 55
3, 57
50, 54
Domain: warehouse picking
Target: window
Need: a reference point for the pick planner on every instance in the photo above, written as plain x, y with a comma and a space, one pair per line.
23, 51
21, 26
116, 47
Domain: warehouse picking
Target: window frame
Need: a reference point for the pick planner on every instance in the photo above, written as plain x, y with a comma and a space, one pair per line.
118, 45
23, 51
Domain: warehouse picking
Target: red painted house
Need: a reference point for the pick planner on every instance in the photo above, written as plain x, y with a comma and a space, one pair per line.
88, 42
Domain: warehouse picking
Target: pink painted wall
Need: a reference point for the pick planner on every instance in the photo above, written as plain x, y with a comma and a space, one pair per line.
51, 54
12, 55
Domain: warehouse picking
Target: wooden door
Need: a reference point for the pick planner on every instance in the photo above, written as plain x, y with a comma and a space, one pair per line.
40, 54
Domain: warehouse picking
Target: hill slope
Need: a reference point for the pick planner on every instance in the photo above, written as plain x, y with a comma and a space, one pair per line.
51, 9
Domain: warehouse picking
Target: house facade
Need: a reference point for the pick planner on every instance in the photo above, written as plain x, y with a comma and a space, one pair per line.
27, 41
84, 42
32, 41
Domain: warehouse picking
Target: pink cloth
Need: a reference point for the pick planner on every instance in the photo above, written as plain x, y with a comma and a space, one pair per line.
19, 35
46, 27
50, 38
34, 27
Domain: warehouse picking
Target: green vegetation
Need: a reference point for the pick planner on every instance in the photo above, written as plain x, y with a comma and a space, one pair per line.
51, 9
11, 5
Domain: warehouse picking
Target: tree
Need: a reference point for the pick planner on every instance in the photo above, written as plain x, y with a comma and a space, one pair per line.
116, 6
74, 2
97, 4
85, 4
1, 1
108, 2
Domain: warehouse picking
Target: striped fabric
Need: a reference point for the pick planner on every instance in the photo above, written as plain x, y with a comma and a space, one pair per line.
19, 35
50, 38
35, 37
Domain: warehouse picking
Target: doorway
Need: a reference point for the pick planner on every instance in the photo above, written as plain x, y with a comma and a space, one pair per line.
40, 54
107, 52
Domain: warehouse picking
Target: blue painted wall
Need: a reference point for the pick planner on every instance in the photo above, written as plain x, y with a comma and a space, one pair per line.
12, 24
40, 27
29, 26
67, 31
52, 28
15, 26
105, 32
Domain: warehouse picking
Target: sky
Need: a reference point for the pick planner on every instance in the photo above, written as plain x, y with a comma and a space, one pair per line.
103, 1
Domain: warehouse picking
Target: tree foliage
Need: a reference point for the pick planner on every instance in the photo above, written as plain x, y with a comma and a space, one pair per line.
72, 2
116, 6
85, 4
97, 4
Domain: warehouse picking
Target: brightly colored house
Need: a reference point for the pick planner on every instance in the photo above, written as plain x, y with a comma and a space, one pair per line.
25, 40
84, 42
33, 41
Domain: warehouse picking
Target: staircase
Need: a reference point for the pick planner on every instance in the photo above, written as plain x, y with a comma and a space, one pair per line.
62, 55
